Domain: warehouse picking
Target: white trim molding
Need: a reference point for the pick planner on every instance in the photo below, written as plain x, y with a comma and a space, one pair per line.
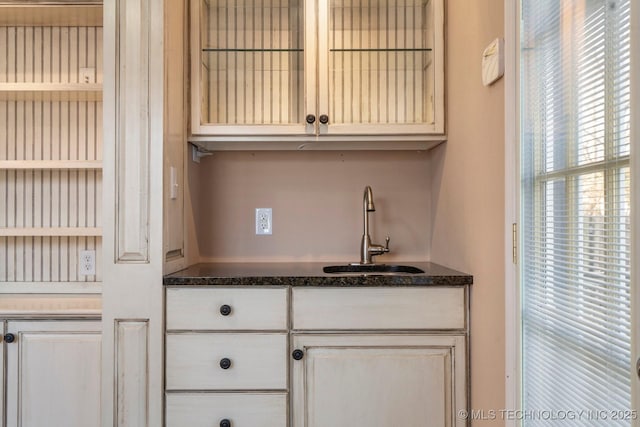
131, 372
133, 26
512, 293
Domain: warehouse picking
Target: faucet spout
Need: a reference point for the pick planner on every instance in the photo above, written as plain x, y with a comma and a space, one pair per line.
367, 249
367, 206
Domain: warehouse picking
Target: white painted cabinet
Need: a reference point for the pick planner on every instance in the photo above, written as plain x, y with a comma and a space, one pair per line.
51, 162
379, 357
375, 357
378, 380
317, 68
226, 357
53, 371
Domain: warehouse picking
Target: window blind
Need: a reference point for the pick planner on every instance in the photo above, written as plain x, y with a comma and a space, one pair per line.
575, 211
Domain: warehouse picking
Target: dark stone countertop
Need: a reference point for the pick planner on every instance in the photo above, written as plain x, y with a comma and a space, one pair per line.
309, 274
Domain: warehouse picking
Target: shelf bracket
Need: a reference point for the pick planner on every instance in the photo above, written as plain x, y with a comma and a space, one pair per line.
198, 152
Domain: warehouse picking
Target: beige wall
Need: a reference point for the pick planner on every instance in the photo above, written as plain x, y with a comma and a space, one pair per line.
468, 191
316, 199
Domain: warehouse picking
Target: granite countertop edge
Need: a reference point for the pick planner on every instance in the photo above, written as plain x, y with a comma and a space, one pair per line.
309, 274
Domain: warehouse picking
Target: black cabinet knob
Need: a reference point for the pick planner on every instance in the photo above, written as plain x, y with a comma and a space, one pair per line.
324, 119
310, 118
225, 363
225, 310
9, 338
297, 354
225, 423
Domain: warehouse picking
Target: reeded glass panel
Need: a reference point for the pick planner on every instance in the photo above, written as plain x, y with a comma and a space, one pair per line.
381, 62
252, 62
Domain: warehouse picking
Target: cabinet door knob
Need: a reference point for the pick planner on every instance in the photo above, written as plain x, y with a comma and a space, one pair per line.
310, 118
324, 119
225, 310
225, 363
9, 338
297, 354
225, 423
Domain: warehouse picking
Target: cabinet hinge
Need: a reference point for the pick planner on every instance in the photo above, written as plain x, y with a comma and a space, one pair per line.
514, 242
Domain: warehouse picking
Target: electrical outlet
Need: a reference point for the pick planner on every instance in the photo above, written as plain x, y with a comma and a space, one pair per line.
264, 221
87, 75
87, 263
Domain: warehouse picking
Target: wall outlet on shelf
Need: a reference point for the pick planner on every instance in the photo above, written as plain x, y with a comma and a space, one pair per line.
87, 75
87, 263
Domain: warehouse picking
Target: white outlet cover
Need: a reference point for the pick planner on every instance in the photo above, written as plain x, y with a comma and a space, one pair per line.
87, 263
264, 221
87, 75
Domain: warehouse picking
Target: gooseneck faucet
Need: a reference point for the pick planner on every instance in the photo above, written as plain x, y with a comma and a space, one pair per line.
367, 249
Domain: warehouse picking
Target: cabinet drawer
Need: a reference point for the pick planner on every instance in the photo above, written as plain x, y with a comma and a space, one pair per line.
258, 361
241, 409
251, 309
379, 308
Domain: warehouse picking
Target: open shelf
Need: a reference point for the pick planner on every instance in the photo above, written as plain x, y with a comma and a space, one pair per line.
50, 231
266, 50
61, 14
50, 164
418, 50
50, 92
51, 57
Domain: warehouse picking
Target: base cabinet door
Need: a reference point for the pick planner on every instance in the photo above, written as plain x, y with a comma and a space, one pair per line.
378, 380
53, 373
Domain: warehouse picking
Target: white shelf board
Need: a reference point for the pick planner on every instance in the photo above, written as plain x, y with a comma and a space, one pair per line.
49, 288
50, 231
46, 304
50, 164
50, 91
64, 14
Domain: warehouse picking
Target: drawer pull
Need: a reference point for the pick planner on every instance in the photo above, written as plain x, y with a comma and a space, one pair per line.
9, 338
324, 119
297, 354
225, 423
225, 363
310, 118
225, 310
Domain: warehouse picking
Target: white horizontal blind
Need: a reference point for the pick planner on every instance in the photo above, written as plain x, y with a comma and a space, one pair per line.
50, 208
575, 273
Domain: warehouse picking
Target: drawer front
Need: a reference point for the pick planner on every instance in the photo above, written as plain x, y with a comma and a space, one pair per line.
258, 361
251, 309
379, 308
241, 409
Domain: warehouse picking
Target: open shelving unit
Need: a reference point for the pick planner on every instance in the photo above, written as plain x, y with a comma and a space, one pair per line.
50, 144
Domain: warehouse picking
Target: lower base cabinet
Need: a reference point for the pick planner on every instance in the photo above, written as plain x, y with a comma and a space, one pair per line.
377, 380
52, 373
316, 356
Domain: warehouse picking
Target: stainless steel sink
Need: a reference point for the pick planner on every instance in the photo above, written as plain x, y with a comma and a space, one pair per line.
371, 268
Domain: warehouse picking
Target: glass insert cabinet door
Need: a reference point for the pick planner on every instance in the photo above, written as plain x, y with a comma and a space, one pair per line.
313, 67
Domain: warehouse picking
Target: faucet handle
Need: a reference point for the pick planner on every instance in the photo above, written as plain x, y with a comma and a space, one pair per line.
386, 244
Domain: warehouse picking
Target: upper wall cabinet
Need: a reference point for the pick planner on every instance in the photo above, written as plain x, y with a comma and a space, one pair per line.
317, 71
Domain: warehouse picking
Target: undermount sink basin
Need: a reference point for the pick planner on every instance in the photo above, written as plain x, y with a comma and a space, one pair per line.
372, 268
